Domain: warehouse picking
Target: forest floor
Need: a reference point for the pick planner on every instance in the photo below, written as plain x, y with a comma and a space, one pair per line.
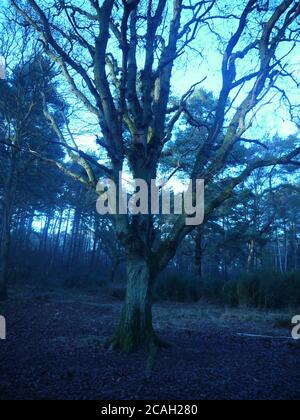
54, 350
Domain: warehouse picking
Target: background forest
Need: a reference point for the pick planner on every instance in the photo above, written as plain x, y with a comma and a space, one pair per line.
247, 253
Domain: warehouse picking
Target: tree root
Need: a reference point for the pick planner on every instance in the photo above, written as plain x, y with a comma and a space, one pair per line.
155, 343
162, 344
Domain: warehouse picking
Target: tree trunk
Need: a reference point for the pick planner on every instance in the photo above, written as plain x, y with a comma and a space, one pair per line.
57, 240
135, 329
198, 253
4, 244
279, 252
65, 240
251, 256
4, 251
6, 226
114, 268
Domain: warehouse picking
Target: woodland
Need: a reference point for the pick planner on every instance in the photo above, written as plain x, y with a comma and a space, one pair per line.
172, 90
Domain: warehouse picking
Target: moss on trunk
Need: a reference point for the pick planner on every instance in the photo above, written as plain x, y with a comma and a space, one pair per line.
135, 328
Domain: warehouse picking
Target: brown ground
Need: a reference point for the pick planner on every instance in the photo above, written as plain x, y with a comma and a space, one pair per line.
54, 350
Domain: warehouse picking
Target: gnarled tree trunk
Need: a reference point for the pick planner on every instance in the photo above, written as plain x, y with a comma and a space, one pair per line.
135, 328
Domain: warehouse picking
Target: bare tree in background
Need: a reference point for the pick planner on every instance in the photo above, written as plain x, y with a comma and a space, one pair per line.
11, 125
118, 58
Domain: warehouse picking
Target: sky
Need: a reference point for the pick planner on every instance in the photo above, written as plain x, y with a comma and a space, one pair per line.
273, 119
193, 67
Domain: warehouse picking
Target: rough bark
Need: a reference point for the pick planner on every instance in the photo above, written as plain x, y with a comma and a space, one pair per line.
135, 328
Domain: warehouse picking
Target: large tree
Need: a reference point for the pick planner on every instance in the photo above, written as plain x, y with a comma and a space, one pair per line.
118, 58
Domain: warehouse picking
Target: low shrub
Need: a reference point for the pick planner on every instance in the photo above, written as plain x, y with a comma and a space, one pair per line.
265, 290
176, 286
